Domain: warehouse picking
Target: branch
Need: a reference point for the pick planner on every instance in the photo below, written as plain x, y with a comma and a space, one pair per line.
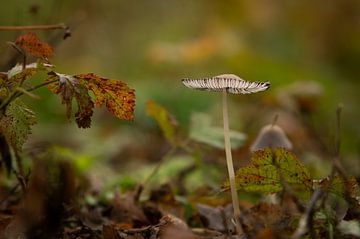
38, 27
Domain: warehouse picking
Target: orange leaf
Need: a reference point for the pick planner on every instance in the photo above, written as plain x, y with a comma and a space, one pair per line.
116, 95
34, 46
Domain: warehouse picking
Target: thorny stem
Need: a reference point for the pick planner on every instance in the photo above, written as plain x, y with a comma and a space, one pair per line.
39, 27
230, 166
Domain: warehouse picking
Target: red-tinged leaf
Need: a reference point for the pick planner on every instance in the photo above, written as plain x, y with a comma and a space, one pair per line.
266, 169
34, 46
165, 120
116, 95
68, 88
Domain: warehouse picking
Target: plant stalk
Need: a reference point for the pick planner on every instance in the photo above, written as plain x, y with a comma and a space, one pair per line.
39, 27
230, 166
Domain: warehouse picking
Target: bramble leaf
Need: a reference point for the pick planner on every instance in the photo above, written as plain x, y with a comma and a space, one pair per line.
16, 124
268, 168
34, 46
116, 95
68, 88
165, 120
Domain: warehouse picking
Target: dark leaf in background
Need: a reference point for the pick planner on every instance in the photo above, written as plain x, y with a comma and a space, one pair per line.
216, 218
5, 154
51, 189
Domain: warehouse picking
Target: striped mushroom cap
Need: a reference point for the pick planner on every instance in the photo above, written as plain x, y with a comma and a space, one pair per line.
232, 83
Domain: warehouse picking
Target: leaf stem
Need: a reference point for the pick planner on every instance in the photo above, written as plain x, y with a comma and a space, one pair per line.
15, 94
230, 167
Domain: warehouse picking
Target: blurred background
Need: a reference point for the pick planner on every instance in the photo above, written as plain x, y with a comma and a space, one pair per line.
308, 50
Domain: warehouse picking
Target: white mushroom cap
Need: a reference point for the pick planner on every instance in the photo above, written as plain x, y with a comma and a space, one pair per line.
271, 136
232, 83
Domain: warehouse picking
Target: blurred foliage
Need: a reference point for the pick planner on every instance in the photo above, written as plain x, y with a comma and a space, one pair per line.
308, 50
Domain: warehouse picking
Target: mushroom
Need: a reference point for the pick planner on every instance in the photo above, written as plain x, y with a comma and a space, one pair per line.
271, 136
228, 83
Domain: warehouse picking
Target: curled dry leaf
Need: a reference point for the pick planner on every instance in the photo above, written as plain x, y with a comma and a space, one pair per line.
31, 43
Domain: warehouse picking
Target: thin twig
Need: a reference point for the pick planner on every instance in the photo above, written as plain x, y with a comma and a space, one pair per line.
306, 221
158, 165
38, 27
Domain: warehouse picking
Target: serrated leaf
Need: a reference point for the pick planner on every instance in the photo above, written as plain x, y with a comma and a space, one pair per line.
116, 95
165, 120
16, 124
202, 131
68, 88
263, 175
34, 46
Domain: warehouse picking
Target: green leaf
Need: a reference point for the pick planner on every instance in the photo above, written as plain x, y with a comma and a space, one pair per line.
16, 124
263, 175
202, 131
165, 120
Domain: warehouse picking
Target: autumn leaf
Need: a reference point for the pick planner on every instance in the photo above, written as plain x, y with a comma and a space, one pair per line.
34, 46
116, 95
268, 168
68, 88
165, 120
15, 124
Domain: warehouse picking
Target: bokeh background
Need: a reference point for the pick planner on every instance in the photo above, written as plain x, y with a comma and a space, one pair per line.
308, 50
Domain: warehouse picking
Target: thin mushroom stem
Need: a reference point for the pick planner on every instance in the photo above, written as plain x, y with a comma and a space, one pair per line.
230, 167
